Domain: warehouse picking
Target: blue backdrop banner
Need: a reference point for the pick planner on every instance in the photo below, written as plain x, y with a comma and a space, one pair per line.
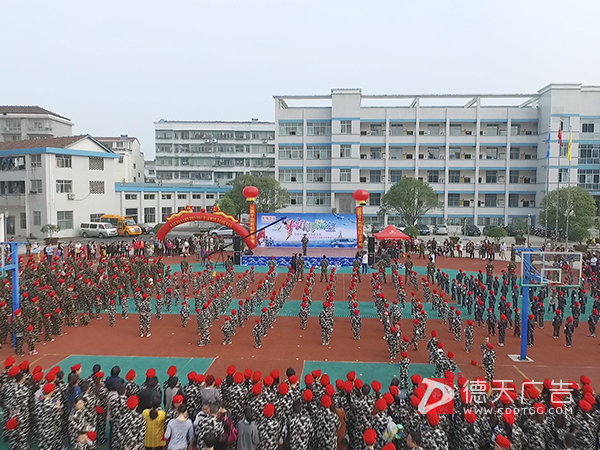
322, 230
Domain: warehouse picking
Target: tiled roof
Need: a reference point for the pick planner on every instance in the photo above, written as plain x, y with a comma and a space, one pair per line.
128, 138
55, 142
15, 109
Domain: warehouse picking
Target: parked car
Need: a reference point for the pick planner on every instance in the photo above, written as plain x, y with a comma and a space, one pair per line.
471, 230
423, 229
511, 230
97, 229
440, 229
226, 232
146, 229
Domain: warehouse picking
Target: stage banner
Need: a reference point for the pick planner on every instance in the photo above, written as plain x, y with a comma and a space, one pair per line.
322, 230
360, 225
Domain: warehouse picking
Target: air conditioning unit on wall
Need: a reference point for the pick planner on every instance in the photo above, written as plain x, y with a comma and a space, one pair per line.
71, 196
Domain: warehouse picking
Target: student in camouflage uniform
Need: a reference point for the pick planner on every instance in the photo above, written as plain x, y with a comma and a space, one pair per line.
19, 329
303, 315
145, 313
48, 419
112, 312
31, 339
569, 330
355, 323
324, 266
228, 330
132, 426
404, 370
258, 332
326, 323
592, 322
184, 312
469, 336
489, 362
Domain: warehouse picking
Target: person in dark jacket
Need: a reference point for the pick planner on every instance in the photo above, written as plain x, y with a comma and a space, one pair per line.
148, 394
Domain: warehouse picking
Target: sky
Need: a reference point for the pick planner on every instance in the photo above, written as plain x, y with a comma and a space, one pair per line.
117, 66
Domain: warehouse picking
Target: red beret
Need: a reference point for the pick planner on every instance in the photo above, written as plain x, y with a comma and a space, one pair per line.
326, 401
269, 410
133, 401
178, 399
307, 395
12, 423
48, 388
502, 441
470, 416
151, 373
130, 375
370, 436
172, 371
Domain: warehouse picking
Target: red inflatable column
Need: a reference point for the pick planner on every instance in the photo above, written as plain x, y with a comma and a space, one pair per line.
361, 196
251, 192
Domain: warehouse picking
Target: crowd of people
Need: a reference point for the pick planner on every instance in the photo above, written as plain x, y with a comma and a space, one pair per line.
71, 291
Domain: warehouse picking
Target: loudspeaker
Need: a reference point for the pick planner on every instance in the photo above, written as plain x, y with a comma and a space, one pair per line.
237, 258
237, 244
371, 259
371, 245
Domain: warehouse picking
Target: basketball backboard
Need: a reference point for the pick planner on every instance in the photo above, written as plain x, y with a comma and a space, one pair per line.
540, 268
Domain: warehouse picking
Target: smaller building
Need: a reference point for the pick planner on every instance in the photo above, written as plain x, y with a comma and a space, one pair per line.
150, 172
61, 181
20, 123
130, 167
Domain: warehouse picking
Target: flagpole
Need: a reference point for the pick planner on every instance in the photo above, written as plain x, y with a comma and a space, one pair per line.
547, 181
568, 209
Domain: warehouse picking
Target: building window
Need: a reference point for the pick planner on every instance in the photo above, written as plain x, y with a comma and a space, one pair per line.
346, 175
345, 151
345, 126
181, 196
587, 127
149, 196
196, 196
433, 176
563, 175
396, 129
375, 176
64, 186
296, 198
64, 219
23, 220
491, 200
36, 186
454, 176
376, 153
318, 199
165, 196
294, 152
515, 152
318, 175
513, 176
453, 199
36, 161
564, 148
130, 196
395, 176
589, 153
588, 179
96, 187
318, 152
290, 175
491, 176
149, 215
166, 211
133, 213
565, 123
37, 218
375, 199
290, 128
318, 128
96, 163
96, 217
63, 161
513, 200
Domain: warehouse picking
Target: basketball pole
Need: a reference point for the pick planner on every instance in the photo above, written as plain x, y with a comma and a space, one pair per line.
525, 261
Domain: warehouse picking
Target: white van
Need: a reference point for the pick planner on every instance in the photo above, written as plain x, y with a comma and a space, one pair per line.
97, 229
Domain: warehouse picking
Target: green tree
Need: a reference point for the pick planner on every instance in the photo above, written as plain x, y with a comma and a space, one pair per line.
411, 199
272, 196
49, 229
574, 203
497, 233
578, 234
411, 231
228, 206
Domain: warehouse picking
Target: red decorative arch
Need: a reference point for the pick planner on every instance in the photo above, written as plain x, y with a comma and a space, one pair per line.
204, 217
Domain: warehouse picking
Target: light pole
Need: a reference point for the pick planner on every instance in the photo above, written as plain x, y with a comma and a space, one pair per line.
528, 228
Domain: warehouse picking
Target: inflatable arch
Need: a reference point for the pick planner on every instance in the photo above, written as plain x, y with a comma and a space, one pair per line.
218, 217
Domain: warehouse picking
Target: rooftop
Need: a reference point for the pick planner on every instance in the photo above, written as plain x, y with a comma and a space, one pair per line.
53, 142
16, 109
225, 122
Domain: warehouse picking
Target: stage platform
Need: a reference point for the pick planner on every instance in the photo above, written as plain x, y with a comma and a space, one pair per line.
338, 257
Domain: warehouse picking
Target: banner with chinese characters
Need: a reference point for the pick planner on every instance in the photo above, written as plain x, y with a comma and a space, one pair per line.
360, 225
322, 230
252, 207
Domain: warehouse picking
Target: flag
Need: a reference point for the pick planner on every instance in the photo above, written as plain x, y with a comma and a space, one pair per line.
548, 150
569, 146
560, 137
